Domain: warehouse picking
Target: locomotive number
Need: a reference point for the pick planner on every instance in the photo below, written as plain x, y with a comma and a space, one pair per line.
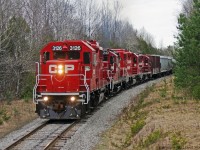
75, 48
57, 48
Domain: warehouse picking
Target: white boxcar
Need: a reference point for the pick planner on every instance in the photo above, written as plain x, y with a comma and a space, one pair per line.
166, 64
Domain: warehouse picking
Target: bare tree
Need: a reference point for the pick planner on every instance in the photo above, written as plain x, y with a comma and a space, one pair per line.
187, 7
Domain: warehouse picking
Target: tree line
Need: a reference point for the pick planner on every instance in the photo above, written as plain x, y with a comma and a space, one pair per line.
187, 54
27, 25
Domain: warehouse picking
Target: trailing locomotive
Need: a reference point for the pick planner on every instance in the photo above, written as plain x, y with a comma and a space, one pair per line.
74, 76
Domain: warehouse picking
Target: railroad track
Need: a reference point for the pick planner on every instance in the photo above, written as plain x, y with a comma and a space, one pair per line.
61, 138
46, 136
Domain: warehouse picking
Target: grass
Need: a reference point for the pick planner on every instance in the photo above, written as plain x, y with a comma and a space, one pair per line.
163, 93
159, 118
15, 115
1, 121
178, 141
16, 112
6, 117
135, 128
167, 106
152, 138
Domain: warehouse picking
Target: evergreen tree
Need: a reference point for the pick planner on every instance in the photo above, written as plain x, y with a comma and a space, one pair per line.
187, 73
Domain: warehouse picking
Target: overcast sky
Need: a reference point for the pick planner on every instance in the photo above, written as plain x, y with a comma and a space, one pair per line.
158, 17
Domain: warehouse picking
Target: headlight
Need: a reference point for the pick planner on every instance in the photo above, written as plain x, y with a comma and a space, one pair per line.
72, 99
60, 69
46, 98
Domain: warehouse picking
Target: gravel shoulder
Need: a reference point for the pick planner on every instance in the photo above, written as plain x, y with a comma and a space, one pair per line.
15, 135
88, 135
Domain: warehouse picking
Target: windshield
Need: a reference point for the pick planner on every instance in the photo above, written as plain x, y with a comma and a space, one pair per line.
68, 55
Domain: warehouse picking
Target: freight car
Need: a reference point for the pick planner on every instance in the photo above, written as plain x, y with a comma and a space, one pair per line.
74, 76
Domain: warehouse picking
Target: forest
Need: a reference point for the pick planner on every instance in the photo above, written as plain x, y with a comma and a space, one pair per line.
27, 25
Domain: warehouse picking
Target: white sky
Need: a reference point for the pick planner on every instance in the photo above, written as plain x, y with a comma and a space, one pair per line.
158, 17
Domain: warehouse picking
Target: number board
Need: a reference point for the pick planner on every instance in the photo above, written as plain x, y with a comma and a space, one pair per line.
74, 48
57, 48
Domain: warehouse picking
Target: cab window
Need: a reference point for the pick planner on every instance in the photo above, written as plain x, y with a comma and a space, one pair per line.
86, 57
59, 54
46, 57
73, 55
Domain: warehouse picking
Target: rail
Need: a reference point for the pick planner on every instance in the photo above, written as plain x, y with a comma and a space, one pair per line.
53, 142
26, 136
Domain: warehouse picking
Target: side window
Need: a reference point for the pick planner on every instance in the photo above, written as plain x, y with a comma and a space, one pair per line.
86, 57
111, 60
140, 59
125, 57
146, 60
46, 57
105, 57
100, 54
135, 60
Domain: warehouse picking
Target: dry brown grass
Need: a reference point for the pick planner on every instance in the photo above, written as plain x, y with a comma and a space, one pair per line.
173, 117
15, 114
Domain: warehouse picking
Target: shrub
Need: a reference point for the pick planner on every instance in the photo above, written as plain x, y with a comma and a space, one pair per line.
152, 138
16, 112
27, 86
1, 121
196, 92
135, 128
6, 117
177, 142
2, 111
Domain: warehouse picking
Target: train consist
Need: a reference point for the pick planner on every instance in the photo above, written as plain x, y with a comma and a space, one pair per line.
74, 76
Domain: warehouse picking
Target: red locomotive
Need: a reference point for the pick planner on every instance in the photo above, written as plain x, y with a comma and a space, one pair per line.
74, 76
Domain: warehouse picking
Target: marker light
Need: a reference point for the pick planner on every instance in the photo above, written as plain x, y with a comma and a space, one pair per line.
46, 98
72, 99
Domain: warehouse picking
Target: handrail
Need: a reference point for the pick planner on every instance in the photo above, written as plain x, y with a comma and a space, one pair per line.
40, 75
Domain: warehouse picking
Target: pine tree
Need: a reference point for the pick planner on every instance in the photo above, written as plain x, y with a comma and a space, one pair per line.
187, 73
